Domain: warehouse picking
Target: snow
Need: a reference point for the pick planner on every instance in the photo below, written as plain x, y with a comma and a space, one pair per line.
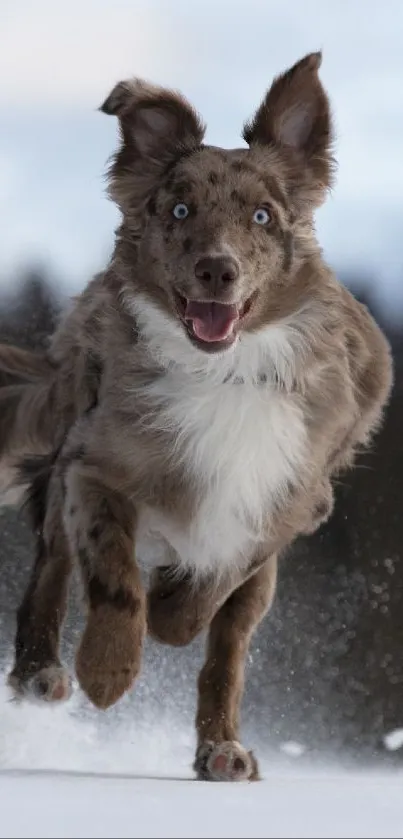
293, 749
63, 774
67, 805
393, 740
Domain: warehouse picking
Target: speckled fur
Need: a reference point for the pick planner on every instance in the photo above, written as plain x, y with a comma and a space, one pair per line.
205, 466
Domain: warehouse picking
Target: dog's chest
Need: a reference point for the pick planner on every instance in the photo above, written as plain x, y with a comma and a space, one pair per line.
237, 448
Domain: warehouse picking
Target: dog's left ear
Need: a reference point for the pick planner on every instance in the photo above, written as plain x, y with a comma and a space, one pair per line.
295, 115
157, 126
153, 120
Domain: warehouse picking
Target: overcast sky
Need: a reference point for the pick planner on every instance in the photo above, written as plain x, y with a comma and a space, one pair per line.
58, 61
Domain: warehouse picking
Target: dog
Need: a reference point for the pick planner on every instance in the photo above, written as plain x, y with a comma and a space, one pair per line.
194, 405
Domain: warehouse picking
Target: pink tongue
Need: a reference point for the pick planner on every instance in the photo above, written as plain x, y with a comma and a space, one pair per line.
211, 321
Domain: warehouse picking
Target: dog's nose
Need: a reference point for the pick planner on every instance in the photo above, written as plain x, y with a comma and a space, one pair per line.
216, 272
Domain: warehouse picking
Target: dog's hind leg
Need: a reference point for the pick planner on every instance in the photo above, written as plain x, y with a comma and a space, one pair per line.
37, 670
179, 608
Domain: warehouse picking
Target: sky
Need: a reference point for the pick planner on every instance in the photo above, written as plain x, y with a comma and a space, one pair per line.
58, 62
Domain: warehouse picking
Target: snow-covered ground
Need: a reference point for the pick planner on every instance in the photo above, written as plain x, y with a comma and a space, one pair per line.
327, 805
62, 775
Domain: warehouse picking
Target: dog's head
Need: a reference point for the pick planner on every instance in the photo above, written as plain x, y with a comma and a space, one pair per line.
220, 232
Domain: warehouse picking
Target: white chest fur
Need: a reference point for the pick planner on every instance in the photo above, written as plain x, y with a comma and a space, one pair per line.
238, 444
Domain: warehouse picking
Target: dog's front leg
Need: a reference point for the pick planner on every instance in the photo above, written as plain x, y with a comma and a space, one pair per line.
220, 756
178, 609
101, 525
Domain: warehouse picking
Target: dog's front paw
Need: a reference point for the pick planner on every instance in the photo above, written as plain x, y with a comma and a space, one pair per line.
109, 657
226, 761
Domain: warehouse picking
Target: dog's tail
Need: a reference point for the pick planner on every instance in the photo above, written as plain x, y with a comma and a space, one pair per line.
22, 365
27, 428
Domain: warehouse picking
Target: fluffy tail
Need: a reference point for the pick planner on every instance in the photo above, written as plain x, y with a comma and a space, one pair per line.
22, 365
27, 421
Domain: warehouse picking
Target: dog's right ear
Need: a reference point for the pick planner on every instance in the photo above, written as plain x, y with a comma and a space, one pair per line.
295, 115
157, 125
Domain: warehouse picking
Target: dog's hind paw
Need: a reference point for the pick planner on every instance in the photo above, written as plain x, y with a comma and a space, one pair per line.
49, 684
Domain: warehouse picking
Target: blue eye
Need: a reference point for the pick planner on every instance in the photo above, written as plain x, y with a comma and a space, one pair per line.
180, 211
261, 216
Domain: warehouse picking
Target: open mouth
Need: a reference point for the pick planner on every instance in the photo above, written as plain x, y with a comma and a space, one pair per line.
209, 323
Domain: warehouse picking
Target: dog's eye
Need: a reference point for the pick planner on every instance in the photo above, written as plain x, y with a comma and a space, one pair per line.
261, 216
180, 211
